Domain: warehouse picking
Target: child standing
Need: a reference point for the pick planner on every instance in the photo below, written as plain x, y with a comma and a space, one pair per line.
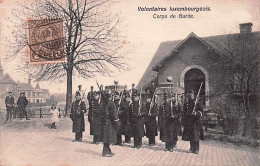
55, 116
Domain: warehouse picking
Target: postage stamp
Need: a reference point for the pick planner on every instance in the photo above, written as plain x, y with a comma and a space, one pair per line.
46, 40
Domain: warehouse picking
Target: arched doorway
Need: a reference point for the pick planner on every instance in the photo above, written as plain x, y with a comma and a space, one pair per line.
192, 81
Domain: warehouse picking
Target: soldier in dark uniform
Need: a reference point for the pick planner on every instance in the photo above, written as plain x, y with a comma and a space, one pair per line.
150, 121
151, 89
170, 119
117, 102
192, 124
125, 110
77, 116
133, 91
90, 97
94, 118
9, 102
137, 112
110, 124
22, 103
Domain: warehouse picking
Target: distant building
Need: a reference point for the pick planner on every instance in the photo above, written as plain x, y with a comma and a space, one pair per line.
34, 95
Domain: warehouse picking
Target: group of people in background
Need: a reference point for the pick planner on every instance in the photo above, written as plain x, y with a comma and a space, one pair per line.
134, 114
16, 109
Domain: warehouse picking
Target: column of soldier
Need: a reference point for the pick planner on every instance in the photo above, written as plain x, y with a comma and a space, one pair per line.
133, 114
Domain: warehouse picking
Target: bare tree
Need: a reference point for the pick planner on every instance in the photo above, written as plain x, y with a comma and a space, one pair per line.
240, 63
93, 43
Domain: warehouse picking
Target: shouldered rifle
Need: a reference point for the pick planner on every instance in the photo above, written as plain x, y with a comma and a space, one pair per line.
171, 102
100, 90
196, 101
140, 100
151, 104
120, 101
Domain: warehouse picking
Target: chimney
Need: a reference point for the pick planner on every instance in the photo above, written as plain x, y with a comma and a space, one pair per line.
245, 28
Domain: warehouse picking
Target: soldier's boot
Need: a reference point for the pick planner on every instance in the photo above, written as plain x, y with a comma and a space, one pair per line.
166, 146
135, 142
196, 147
119, 139
152, 141
139, 142
174, 144
127, 139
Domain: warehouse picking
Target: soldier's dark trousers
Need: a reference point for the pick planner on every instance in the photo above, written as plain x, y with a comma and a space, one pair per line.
9, 113
21, 112
96, 138
137, 141
53, 126
127, 139
194, 146
106, 149
14, 113
152, 140
118, 139
78, 136
170, 145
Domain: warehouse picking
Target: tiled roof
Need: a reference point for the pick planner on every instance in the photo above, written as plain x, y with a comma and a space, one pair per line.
7, 80
164, 51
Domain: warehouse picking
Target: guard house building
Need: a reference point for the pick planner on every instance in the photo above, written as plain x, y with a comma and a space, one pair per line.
192, 61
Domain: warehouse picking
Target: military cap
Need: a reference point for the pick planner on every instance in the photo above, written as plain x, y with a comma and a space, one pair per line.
22, 93
10, 92
77, 94
165, 96
116, 93
191, 91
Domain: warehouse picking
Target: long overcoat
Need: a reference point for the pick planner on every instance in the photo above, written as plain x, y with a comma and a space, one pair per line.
192, 125
137, 119
77, 115
110, 122
95, 117
125, 116
170, 119
150, 121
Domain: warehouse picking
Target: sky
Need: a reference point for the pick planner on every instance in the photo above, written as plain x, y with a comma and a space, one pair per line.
143, 33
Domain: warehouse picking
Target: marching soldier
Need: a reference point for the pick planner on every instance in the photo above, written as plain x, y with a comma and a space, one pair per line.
133, 91
22, 103
192, 124
77, 116
90, 97
109, 125
150, 121
170, 118
125, 110
9, 102
137, 120
94, 118
117, 101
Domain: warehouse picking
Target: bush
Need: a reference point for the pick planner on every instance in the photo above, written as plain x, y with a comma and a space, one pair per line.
230, 113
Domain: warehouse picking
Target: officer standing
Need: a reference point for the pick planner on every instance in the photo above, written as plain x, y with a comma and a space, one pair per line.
9, 102
110, 124
192, 124
150, 121
77, 116
22, 103
137, 120
94, 118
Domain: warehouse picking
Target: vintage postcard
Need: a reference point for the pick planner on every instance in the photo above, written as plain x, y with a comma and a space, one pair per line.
119, 82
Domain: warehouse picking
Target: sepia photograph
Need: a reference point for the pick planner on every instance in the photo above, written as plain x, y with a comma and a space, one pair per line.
119, 82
